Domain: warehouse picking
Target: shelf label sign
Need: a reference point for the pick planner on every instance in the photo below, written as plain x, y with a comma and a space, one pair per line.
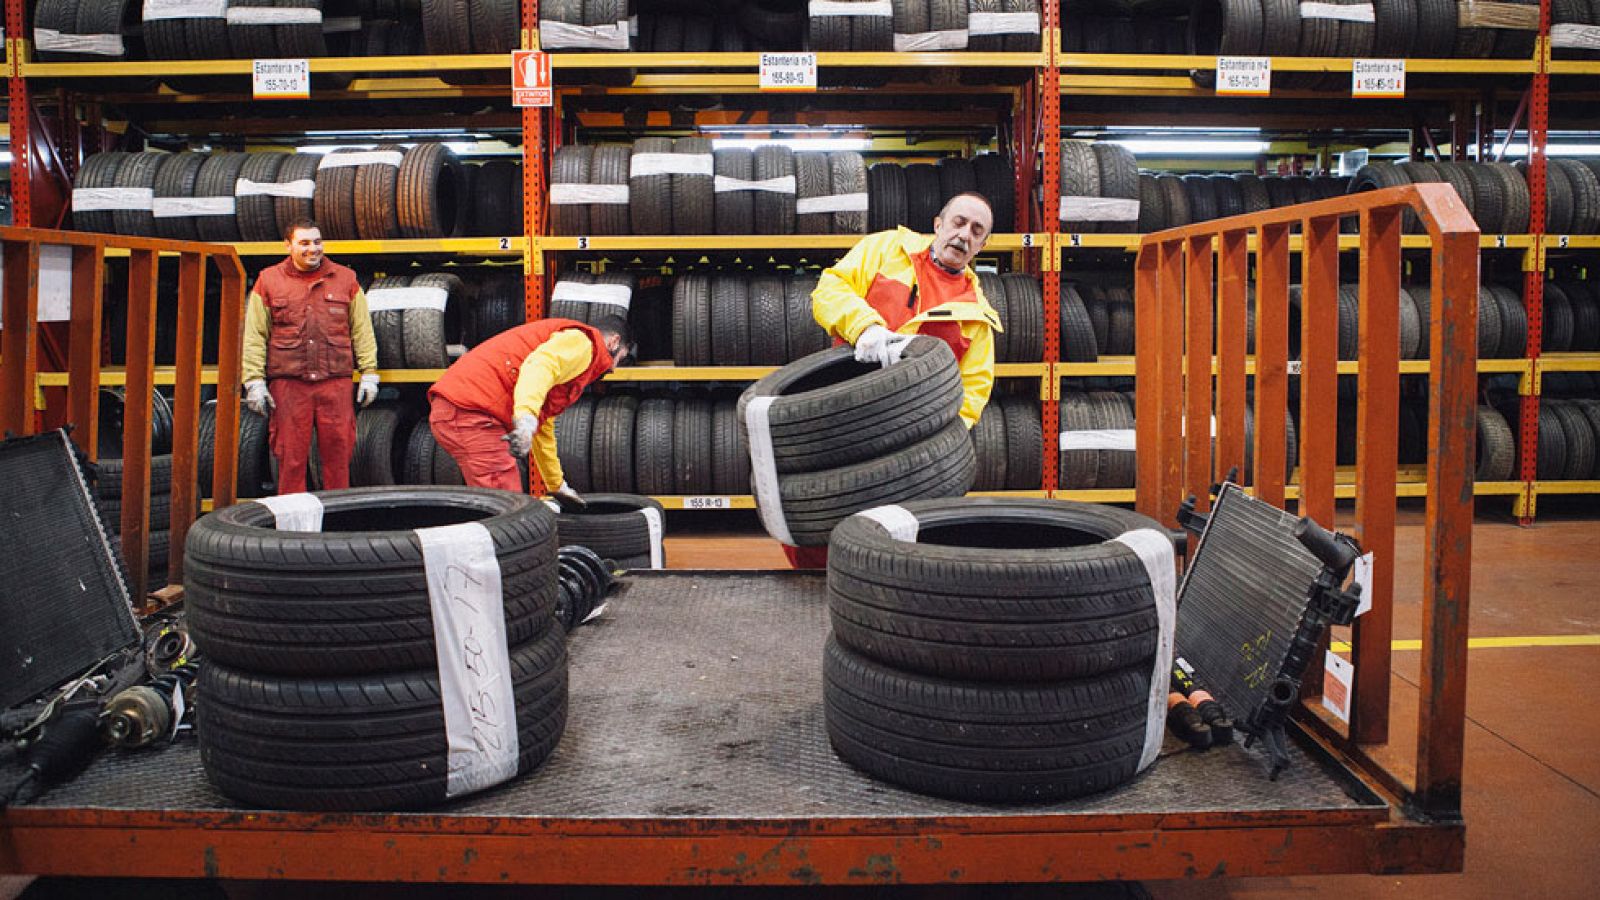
1378, 78
788, 72
1244, 75
708, 503
280, 79
531, 78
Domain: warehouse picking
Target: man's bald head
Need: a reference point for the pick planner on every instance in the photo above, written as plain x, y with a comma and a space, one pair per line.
961, 229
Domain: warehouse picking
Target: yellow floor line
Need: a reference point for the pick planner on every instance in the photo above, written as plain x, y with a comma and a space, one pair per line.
1485, 643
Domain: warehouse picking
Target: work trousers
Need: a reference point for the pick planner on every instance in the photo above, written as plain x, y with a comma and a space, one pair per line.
299, 406
476, 441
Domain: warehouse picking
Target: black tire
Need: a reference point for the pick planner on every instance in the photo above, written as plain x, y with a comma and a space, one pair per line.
419, 453
425, 341
1026, 324
730, 320
573, 428
1556, 334
609, 166
826, 401
812, 181
613, 525
299, 167
730, 454
1175, 200
804, 335
363, 743
984, 742
377, 448
1119, 178
138, 171
1078, 342
1079, 469
1229, 198
494, 25
1514, 189
175, 179
650, 196
923, 200
1395, 28
1223, 28
611, 443
769, 325
571, 166
1585, 315
993, 288
1349, 321
1551, 462
388, 326
735, 210
1590, 408
251, 468
1024, 443
774, 211
989, 446
691, 446
1114, 412
1120, 324
847, 174
1513, 323
997, 182
814, 502
693, 199
1577, 434
335, 201
1488, 196
995, 590
1436, 29
1253, 193
1080, 177
98, 171
652, 446
219, 177
691, 320
1585, 196
428, 192
1202, 197
256, 215
1152, 206
886, 197
353, 598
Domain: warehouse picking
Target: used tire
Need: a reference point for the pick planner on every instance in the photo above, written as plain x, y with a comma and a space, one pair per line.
615, 526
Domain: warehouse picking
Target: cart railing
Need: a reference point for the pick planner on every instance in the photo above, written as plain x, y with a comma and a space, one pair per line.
19, 363
1193, 389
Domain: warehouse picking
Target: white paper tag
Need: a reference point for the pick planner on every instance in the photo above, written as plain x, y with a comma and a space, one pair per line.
469, 632
582, 194
900, 523
1098, 209
981, 23
303, 189
1360, 12
951, 39
708, 503
787, 72
764, 470
578, 292
658, 531
1099, 439
1378, 78
555, 35
101, 199
819, 8
273, 15
55, 283
361, 158
1338, 676
172, 207
1292, 367
383, 299
156, 10
831, 204
294, 512
1160, 562
179, 707
51, 40
1567, 34
1246, 75
281, 79
783, 184
1362, 572
641, 164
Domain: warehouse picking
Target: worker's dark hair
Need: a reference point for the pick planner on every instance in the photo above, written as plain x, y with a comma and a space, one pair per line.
974, 195
616, 325
298, 224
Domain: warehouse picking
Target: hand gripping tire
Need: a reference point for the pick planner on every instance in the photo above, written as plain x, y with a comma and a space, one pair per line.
353, 598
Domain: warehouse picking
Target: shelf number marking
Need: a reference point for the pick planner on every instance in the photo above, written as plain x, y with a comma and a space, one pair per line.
1075, 239
1378, 78
583, 243
1027, 239
505, 243
1563, 240
1499, 240
1246, 75
788, 72
708, 503
280, 79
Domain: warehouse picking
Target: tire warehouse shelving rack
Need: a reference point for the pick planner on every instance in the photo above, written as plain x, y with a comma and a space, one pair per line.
1405, 818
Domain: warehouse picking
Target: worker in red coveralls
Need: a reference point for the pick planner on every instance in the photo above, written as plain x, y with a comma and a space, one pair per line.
506, 392
896, 284
306, 328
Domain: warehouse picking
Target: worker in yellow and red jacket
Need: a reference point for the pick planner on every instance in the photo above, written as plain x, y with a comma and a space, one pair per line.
894, 285
306, 328
506, 392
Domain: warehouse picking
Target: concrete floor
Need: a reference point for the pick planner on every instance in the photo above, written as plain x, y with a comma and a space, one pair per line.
1532, 780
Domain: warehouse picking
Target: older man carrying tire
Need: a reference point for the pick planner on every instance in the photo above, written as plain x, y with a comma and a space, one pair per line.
507, 391
306, 327
896, 284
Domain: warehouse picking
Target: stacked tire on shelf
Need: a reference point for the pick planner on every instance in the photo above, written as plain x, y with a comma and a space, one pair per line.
321, 678
739, 320
1009, 443
990, 650
686, 443
1170, 201
1497, 193
912, 195
1099, 188
830, 436
108, 500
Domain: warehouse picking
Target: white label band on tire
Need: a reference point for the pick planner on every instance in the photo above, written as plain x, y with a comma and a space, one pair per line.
170, 207
642, 164
303, 189
1154, 550
295, 512
1361, 12
1585, 37
111, 198
900, 523
580, 194
269, 15
1097, 209
383, 299
658, 532
1099, 439
555, 35
578, 292
783, 184
361, 158
156, 10
469, 633
817, 9
336, 24
51, 40
764, 470
952, 39
982, 23
831, 204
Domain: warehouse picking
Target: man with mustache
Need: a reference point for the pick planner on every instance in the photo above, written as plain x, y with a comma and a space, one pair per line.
894, 285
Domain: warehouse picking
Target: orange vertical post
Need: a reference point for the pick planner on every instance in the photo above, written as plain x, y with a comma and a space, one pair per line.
1197, 287
1048, 143
230, 327
533, 181
1233, 273
1533, 277
83, 361
19, 343
1319, 362
1151, 488
186, 406
136, 417
1272, 370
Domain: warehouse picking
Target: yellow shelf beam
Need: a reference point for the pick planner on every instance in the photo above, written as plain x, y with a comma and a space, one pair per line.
1569, 362
711, 242
1566, 487
752, 60
1158, 61
506, 246
401, 64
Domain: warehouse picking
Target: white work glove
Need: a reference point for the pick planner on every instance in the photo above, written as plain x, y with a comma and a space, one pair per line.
570, 498
367, 391
257, 398
877, 344
520, 437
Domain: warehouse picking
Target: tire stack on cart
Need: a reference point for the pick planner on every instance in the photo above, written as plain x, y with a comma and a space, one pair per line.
322, 677
996, 650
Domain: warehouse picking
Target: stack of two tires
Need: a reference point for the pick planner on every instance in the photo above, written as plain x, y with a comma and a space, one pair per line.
995, 650
626, 529
829, 437
322, 683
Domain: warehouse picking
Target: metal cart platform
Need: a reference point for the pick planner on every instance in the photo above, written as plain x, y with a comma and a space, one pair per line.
695, 753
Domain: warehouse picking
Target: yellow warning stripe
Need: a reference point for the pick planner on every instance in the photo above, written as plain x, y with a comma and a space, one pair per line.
1485, 643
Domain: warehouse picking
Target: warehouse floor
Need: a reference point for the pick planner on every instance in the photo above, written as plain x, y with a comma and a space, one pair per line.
1532, 781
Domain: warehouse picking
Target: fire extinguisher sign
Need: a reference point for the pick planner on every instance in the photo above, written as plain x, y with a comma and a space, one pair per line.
530, 78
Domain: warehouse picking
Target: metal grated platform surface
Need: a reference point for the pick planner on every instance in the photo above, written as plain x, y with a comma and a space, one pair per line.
698, 695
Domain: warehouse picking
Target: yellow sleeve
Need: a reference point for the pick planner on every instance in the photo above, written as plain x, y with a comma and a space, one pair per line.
362, 339
257, 325
565, 356
545, 458
839, 302
977, 371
